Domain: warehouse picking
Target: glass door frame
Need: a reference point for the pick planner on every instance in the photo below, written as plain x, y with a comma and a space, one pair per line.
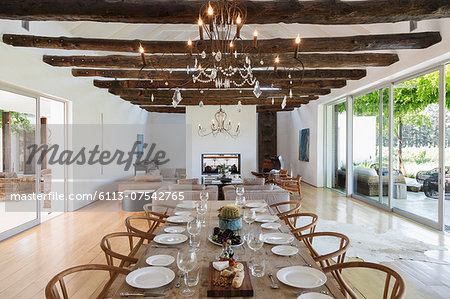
8, 87
439, 225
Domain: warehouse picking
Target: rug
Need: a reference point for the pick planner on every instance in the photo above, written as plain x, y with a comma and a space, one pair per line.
370, 246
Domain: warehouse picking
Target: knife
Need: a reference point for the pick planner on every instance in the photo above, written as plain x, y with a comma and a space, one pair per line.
146, 294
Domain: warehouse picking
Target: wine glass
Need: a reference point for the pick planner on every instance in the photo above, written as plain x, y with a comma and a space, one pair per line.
239, 190
204, 195
249, 216
240, 201
255, 239
202, 208
186, 262
194, 228
191, 279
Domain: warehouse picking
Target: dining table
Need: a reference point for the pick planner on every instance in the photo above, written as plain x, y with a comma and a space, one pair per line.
208, 252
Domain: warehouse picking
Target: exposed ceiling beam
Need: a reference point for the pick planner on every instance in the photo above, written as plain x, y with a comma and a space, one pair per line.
220, 93
259, 12
181, 61
328, 74
321, 44
259, 109
190, 84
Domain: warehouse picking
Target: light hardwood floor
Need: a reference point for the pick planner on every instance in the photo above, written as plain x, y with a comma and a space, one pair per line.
30, 259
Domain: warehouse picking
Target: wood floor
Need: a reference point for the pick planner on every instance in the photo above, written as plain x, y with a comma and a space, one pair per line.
30, 259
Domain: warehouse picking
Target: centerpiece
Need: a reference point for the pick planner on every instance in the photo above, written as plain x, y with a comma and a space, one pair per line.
230, 218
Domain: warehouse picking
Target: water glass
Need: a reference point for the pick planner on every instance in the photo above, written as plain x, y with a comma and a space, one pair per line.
239, 190
194, 241
255, 238
240, 201
249, 216
202, 208
194, 228
257, 267
204, 195
186, 262
191, 279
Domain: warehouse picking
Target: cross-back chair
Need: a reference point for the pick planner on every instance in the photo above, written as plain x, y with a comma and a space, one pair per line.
301, 222
160, 210
285, 208
293, 185
144, 225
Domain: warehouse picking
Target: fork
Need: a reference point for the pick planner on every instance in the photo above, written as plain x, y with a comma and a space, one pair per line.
296, 294
274, 284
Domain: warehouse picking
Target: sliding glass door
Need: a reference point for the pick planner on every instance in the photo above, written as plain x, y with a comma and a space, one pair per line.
446, 203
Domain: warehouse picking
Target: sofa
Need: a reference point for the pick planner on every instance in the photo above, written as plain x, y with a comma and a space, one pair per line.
152, 180
10, 184
172, 193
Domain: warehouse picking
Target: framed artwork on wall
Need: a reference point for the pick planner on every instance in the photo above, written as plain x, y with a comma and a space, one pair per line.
303, 152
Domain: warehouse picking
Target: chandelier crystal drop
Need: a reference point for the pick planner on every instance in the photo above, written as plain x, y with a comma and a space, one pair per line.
176, 99
257, 90
283, 104
220, 124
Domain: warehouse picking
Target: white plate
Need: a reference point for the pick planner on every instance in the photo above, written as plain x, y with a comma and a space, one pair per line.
284, 250
256, 204
301, 277
150, 277
271, 225
174, 229
278, 238
259, 210
312, 295
180, 219
170, 239
218, 244
266, 218
161, 260
183, 213
187, 204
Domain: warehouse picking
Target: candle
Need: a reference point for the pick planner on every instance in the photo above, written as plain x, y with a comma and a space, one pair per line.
142, 51
255, 39
238, 26
190, 45
200, 28
277, 61
297, 42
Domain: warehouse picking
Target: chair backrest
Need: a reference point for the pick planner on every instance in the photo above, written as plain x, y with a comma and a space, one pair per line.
398, 286
52, 292
161, 211
283, 172
292, 220
142, 225
286, 207
113, 253
325, 260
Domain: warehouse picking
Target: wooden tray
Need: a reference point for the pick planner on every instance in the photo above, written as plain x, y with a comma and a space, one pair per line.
246, 289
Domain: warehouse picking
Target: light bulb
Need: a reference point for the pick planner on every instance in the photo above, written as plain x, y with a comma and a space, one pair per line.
238, 20
141, 49
200, 22
298, 39
277, 59
210, 10
189, 42
255, 33
231, 44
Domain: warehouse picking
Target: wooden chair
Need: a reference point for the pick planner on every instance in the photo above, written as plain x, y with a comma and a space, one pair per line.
161, 211
397, 291
125, 260
52, 292
292, 206
326, 260
143, 225
293, 185
283, 173
292, 220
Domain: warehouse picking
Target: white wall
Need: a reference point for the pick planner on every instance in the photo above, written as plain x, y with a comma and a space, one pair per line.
25, 68
245, 144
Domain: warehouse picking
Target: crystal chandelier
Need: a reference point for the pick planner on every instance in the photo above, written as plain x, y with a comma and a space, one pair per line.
220, 124
221, 21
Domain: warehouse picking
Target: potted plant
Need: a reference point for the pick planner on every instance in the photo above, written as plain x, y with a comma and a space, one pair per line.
230, 218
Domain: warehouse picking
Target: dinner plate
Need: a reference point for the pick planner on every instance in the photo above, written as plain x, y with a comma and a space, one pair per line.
266, 218
161, 260
271, 225
180, 219
284, 250
183, 213
174, 229
256, 204
259, 210
218, 244
170, 239
278, 238
187, 204
313, 295
301, 277
150, 277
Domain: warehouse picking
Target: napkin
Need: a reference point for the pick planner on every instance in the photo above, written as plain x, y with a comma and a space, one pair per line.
219, 266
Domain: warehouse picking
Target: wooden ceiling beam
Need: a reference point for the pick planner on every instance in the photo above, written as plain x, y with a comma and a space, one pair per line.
181, 61
259, 12
280, 75
182, 110
279, 45
219, 93
190, 84
225, 102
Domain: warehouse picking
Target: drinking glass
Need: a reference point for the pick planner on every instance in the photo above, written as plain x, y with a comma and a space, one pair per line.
240, 201
239, 190
255, 238
257, 267
249, 216
202, 208
204, 195
191, 279
194, 228
186, 262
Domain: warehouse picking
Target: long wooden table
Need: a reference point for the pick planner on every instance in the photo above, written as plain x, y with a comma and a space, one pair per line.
209, 251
